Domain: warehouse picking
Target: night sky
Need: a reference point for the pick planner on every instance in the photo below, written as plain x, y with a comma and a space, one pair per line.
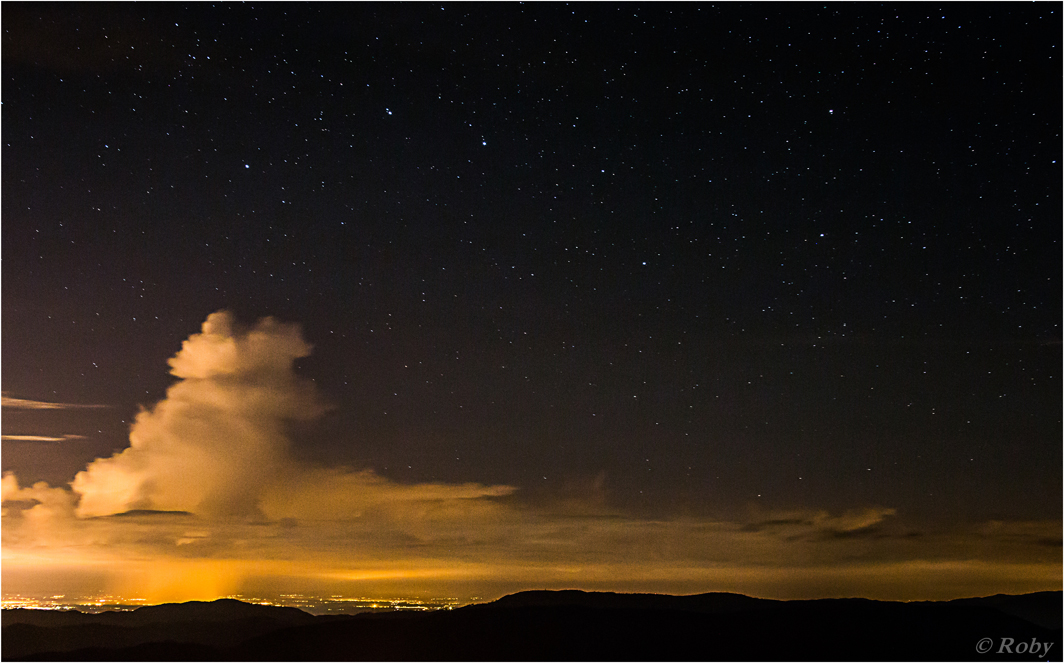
615, 280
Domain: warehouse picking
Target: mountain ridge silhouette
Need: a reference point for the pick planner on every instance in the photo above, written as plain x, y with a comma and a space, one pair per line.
551, 625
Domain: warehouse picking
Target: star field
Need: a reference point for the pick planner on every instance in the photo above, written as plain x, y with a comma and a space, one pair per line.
708, 258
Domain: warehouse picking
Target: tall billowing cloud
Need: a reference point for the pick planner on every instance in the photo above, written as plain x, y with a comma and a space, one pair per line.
217, 445
208, 499
218, 439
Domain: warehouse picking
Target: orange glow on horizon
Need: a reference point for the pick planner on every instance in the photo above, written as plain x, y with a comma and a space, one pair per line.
175, 579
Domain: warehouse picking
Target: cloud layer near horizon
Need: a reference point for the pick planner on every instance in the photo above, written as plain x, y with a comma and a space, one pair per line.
208, 495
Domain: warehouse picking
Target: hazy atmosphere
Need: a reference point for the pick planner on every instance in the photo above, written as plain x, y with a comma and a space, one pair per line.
460, 300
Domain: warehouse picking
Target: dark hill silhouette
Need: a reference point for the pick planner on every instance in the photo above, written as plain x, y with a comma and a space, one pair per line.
713, 603
567, 625
1042, 608
221, 610
217, 624
805, 630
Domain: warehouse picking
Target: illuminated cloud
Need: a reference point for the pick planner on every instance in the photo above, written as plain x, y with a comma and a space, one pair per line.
208, 499
821, 521
9, 487
218, 439
217, 444
44, 523
41, 438
24, 404
334, 494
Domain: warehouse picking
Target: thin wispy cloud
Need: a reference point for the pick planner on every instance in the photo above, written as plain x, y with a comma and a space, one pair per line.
27, 404
41, 438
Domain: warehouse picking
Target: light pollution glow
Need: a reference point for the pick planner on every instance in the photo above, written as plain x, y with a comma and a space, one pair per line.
208, 501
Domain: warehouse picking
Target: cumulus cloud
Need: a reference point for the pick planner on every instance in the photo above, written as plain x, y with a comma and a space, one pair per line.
215, 453
45, 521
218, 439
208, 496
9, 487
217, 445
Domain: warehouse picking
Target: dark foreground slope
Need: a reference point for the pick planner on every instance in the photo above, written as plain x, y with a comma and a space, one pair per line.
592, 626
203, 628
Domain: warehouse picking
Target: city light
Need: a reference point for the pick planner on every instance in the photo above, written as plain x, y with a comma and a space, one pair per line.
317, 605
